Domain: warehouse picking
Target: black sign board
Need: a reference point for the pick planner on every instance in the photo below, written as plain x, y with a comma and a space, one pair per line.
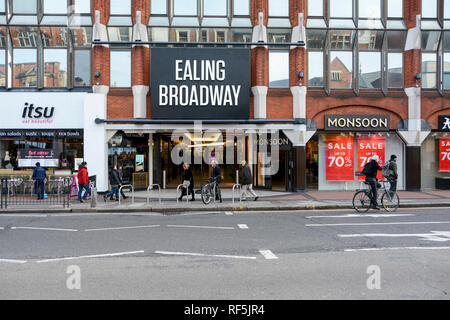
444, 123
357, 122
200, 83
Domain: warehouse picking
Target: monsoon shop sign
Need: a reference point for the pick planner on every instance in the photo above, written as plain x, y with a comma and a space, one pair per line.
200, 83
357, 122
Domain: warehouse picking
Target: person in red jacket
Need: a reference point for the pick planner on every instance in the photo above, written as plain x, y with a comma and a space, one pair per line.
83, 181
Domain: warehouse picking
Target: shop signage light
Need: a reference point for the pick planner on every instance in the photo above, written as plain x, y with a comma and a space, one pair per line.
357, 122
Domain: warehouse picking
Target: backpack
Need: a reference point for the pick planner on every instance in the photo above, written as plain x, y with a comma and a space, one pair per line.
365, 170
386, 171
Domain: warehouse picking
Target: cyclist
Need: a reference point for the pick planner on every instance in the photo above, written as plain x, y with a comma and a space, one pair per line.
370, 171
216, 177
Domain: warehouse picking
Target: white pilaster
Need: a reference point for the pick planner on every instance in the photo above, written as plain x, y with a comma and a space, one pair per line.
140, 101
95, 139
260, 102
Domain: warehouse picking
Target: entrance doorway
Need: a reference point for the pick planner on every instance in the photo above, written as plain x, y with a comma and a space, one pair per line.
312, 163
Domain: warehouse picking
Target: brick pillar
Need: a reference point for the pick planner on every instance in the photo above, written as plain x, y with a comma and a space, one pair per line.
100, 54
413, 134
259, 59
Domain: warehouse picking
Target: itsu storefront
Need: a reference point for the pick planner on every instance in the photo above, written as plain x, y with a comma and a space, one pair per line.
41, 127
347, 144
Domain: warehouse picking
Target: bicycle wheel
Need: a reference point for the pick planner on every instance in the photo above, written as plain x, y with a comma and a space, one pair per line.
389, 203
206, 194
361, 201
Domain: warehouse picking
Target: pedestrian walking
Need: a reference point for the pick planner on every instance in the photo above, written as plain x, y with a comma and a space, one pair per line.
393, 174
247, 182
188, 182
39, 176
83, 181
114, 181
120, 172
370, 171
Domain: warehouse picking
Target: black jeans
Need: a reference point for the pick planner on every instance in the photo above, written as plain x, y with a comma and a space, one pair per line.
373, 190
393, 183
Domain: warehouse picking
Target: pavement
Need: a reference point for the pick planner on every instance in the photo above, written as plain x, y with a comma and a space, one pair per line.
268, 201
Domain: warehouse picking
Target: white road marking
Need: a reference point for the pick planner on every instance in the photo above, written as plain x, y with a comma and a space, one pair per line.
242, 226
268, 254
201, 227
92, 256
43, 229
439, 236
375, 223
1, 228
12, 261
122, 228
363, 216
228, 213
24, 215
202, 255
398, 248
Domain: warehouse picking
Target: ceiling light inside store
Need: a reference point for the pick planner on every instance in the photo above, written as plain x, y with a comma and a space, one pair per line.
202, 139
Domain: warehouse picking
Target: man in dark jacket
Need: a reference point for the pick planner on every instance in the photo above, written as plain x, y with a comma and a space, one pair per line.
216, 176
371, 177
188, 181
83, 181
247, 181
39, 175
393, 176
114, 181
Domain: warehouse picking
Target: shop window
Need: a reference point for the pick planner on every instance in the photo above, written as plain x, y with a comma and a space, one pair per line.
120, 68
395, 70
429, 70
315, 69
184, 35
55, 12
55, 68
82, 68
25, 68
241, 35
185, 7
120, 23
2, 57
215, 7
369, 64
279, 8
158, 7
24, 12
80, 13
278, 69
341, 61
159, 34
241, 7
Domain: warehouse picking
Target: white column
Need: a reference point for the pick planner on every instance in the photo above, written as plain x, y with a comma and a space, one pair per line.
140, 101
150, 158
260, 104
95, 139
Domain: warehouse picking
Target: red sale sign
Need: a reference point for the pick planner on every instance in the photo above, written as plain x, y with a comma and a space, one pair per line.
444, 154
369, 145
339, 154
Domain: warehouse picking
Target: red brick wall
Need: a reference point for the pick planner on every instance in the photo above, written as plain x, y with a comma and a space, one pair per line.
279, 104
396, 105
120, 106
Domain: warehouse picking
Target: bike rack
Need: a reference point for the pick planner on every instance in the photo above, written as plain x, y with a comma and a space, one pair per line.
150, 187
187, 192
237, 186
132, 192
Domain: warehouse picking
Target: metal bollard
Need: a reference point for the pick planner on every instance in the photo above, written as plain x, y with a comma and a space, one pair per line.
94, 197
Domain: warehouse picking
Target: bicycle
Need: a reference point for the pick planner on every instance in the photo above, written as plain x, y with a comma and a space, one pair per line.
362, 198
209, 191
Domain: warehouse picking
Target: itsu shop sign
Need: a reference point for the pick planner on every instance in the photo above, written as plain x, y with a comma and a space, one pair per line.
200, 83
